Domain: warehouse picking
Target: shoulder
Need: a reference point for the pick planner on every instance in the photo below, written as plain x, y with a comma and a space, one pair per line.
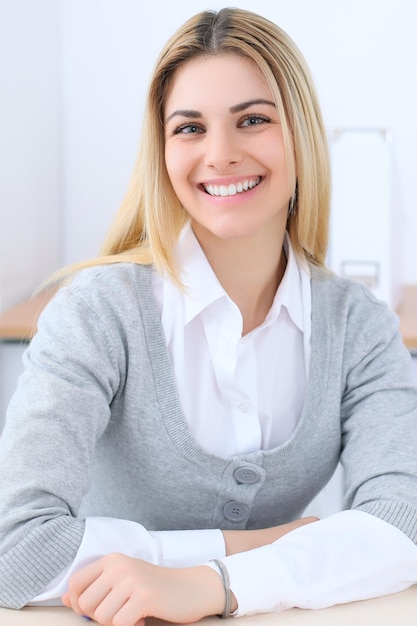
111, 295
115, 277
339, 293
351, 308
111, 283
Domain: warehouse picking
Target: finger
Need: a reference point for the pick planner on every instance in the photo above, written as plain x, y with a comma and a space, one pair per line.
107, 610
66, 600
80, 582
94, 596
132, 613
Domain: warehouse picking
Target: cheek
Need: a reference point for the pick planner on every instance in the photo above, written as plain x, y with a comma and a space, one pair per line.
277, 162
174, 163
179, 165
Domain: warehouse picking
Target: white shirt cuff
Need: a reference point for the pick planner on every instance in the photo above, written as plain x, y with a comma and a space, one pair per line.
346, 557
104, 535
186, 548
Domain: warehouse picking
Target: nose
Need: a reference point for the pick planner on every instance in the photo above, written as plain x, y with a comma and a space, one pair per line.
221, 149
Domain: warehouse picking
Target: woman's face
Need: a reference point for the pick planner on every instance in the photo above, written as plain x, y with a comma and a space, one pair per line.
224, 148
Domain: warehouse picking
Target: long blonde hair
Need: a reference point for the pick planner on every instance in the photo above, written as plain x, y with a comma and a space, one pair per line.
148, 223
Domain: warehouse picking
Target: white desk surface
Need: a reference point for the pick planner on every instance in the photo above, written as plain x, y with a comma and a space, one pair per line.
396, 610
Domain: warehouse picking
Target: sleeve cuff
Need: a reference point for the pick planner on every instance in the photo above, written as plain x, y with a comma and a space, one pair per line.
346, 557
178, 548
187, 548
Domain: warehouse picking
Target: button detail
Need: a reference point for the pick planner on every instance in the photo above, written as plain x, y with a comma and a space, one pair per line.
246, 475
244, 406
236, 511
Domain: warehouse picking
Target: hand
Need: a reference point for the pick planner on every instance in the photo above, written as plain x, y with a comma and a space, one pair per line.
242, 540
118, 590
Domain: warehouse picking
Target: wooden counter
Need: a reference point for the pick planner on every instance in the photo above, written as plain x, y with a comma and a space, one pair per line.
394, 610
408, 317
19, 323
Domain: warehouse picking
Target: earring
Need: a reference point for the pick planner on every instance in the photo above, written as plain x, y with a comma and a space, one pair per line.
293, 201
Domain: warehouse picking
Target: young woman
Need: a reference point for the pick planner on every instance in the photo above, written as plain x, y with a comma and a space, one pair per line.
190, 391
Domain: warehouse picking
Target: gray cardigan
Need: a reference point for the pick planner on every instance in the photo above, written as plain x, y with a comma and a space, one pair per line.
96, 428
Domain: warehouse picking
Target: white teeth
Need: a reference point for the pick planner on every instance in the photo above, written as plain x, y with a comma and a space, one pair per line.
232, 189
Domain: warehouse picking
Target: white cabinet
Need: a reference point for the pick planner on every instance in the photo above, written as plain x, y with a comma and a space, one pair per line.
365, 233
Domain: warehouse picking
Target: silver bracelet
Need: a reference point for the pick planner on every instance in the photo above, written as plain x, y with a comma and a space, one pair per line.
226, 584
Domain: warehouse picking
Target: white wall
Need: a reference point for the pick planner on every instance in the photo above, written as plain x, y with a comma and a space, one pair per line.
361, 53
30, 146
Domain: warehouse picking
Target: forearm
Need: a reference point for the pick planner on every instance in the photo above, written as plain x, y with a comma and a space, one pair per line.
334, 561
242, 540
346, 557
167, 548
105, 536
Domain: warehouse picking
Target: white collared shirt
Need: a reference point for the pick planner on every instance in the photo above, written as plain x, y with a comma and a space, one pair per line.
238, 395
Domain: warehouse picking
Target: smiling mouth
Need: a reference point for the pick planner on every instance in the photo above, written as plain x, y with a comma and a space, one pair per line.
233, 189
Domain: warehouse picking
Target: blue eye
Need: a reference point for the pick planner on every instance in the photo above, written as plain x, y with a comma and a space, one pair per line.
188, 129
254, 120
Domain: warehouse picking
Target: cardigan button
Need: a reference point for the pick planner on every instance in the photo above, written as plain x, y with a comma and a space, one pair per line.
246, 475
236, 511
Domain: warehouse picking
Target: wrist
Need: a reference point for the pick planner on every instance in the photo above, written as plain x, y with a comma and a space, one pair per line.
230, 603
211, 583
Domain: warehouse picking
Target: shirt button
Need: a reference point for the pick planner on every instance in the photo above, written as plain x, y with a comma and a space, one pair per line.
244, 406
246, 475
236, 511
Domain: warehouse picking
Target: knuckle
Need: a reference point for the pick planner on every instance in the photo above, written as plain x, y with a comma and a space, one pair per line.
71, 584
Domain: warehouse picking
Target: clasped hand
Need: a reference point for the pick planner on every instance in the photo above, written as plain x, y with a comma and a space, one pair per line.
118, 590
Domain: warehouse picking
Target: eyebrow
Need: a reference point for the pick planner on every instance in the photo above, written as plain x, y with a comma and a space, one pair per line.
237, 108
245, 105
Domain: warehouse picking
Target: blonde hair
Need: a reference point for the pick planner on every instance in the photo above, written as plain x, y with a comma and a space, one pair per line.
148, 223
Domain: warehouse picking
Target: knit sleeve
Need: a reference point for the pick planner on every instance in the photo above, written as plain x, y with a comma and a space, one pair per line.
72, 370
379, 419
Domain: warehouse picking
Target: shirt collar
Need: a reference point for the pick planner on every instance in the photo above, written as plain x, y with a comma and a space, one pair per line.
289, 292
203, 287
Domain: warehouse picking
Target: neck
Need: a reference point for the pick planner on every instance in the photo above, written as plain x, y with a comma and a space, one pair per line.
250, 272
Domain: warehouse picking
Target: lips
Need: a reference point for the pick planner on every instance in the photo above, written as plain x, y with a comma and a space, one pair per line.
233, 188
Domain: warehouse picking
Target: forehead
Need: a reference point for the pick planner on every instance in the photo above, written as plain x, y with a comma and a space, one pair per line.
221, 80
